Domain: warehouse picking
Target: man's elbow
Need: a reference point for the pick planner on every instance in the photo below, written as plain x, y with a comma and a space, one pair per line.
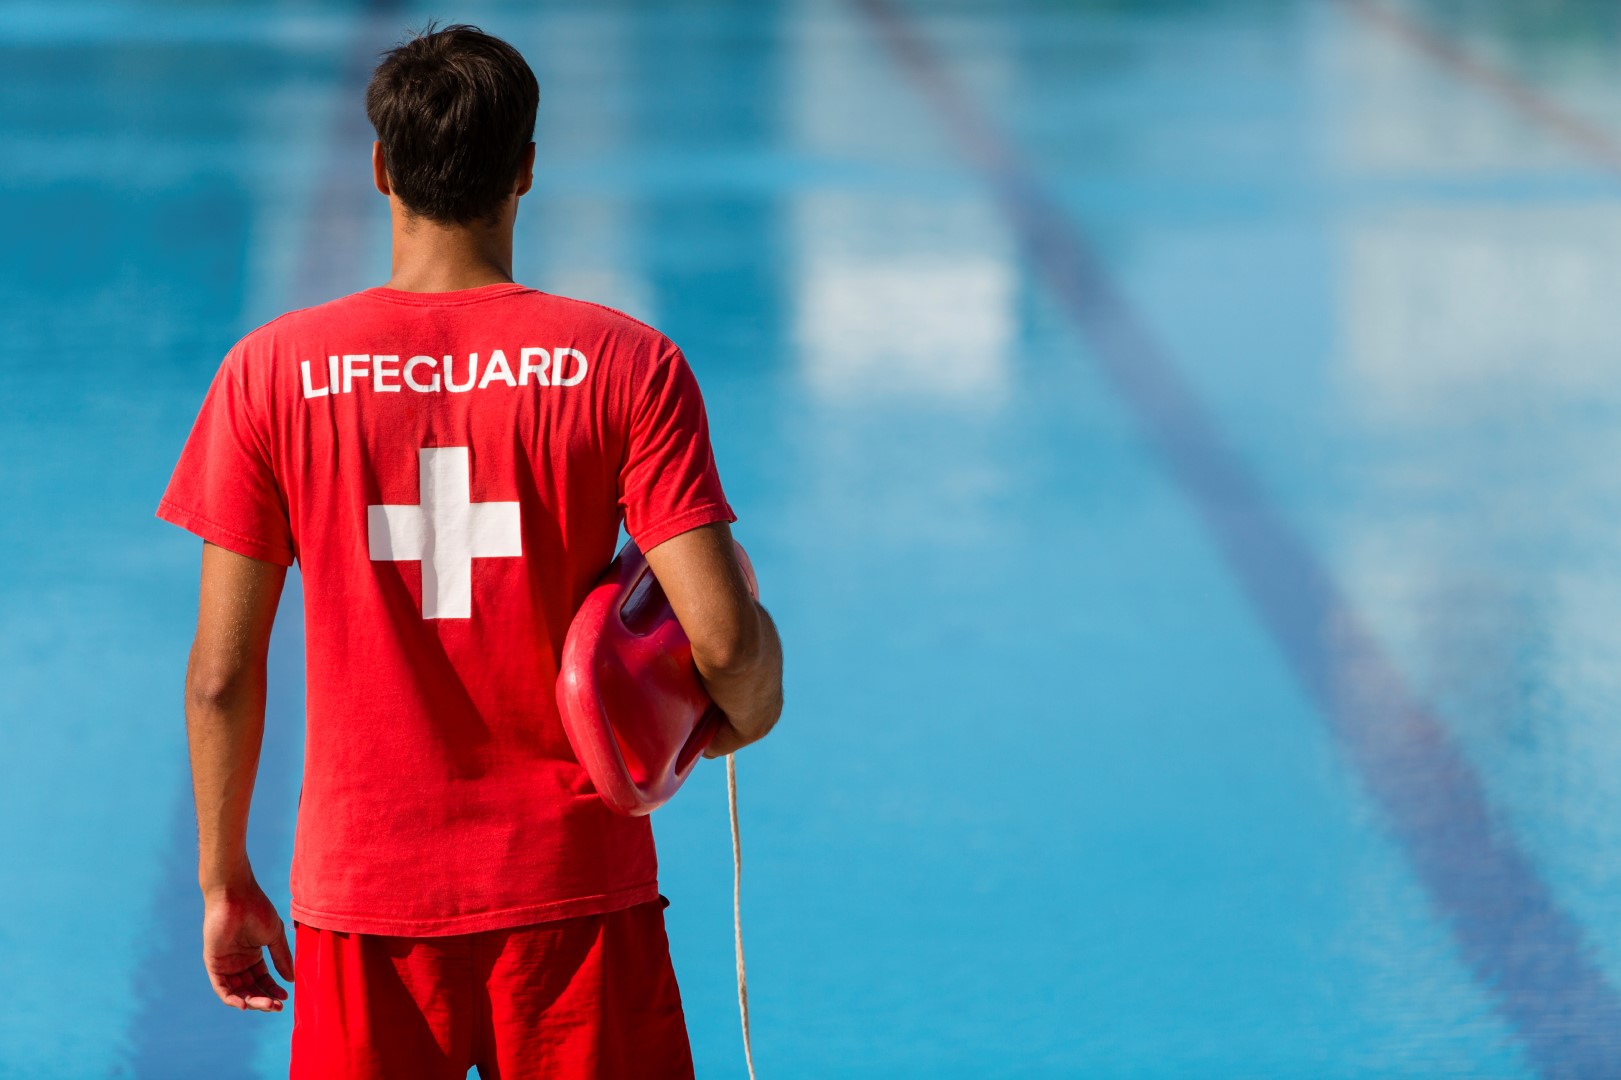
221, 687
730, 650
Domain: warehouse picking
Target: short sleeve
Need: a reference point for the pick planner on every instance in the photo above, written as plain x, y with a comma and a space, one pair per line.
668, 483
224, 488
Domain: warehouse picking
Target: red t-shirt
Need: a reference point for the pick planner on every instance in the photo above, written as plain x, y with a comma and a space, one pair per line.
450, 471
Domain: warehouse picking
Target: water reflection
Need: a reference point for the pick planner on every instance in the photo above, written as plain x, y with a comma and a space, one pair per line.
899, 298
1454, 313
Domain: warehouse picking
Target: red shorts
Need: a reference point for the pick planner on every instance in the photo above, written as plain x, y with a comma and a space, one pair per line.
593, 996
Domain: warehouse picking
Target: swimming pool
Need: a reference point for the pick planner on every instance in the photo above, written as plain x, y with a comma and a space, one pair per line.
1174, 440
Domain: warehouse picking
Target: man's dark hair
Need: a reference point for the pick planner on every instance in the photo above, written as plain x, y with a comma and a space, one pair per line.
454, 110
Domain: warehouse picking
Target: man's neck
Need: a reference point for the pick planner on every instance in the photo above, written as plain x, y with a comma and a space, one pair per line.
432, 257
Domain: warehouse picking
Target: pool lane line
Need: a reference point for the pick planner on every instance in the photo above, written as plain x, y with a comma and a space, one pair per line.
1593, 140
181, 1029
1525, 952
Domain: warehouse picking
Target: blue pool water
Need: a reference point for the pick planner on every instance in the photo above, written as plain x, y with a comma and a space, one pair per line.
1171, 438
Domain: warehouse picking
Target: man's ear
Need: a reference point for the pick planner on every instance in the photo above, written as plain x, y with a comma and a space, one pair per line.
526, 171
379, 171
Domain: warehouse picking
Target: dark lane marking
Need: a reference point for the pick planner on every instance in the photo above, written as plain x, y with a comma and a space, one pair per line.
180, 1029
1526, 953
1593, 140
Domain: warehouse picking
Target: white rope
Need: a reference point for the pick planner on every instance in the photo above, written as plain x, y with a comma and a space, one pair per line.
737, 910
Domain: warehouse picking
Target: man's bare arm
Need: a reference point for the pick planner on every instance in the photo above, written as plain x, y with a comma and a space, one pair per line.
225, 716
734, 642
225, 704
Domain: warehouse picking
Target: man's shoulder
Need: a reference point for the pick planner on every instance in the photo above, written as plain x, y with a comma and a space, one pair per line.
314, 316
589, 312
259, 343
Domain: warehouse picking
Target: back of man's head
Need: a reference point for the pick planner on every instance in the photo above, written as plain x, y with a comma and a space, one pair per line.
455, 111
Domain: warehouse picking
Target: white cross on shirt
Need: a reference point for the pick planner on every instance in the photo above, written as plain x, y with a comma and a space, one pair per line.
446, 531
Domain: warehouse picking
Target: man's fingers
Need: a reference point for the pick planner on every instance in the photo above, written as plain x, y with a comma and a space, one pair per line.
257, 1000
726, 741
250, 988
226, 994
268, 987
282, 955
262, 991
223, 992
267, 996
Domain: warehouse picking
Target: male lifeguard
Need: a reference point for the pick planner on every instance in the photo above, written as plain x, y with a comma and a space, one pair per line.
449, 457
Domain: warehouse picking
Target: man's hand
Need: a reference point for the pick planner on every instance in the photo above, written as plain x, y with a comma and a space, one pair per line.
727, 740
238, 924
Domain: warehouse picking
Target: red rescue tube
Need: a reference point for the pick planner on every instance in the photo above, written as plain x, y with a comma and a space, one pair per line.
634, 709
